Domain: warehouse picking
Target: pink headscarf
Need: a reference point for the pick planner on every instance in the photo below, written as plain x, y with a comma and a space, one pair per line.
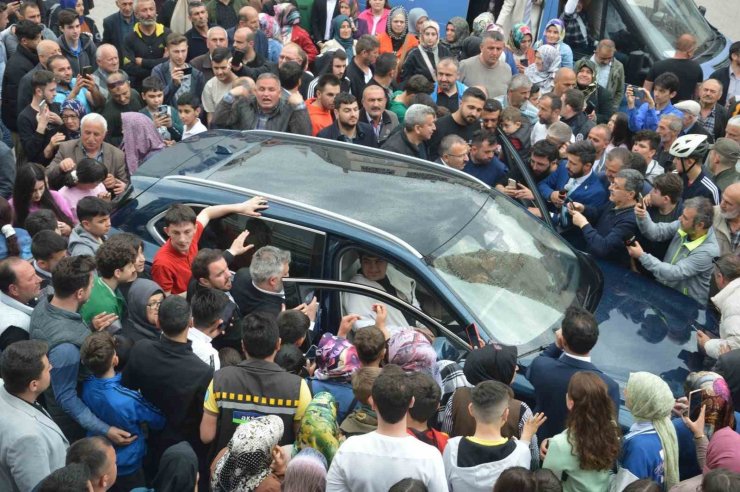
140, 138
723, 451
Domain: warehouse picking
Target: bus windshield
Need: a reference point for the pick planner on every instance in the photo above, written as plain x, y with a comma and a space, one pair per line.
666, 20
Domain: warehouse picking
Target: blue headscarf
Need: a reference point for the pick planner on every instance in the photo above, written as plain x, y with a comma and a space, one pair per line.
347, 44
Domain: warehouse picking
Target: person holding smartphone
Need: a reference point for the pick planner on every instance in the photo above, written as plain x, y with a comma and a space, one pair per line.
176, 75
40, 128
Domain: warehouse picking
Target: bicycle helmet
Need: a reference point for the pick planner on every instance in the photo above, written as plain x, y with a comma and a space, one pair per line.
692, 145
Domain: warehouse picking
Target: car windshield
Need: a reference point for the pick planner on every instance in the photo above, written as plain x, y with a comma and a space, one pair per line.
666, 20
517, 281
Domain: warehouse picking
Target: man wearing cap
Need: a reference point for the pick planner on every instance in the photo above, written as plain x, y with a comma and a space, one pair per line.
691, 125
723, 162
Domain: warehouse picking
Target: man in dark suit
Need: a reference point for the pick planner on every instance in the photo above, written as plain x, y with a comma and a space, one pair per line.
321, 21
723, 74
118, 25
550, 373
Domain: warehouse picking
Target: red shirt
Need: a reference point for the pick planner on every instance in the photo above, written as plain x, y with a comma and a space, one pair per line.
171, 269
433, 437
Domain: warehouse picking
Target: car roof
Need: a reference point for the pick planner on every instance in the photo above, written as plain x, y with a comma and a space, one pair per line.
421, 203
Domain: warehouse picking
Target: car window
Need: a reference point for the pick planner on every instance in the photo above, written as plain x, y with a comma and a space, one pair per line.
306, 245
407, 288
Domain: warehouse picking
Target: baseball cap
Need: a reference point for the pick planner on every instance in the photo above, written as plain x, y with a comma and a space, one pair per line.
726, 147
691, 107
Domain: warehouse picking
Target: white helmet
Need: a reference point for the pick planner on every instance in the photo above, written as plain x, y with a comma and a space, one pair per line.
692, 145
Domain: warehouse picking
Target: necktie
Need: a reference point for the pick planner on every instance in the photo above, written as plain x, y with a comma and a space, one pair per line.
527, 13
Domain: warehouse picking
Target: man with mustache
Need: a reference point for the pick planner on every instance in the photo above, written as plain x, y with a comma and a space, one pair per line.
145, 47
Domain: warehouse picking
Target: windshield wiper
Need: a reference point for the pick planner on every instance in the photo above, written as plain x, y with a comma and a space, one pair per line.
541, 348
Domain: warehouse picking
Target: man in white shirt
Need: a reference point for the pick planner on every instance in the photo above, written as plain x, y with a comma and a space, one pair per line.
375, 461
548, 113
207, 306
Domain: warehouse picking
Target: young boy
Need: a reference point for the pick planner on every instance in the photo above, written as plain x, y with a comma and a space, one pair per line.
363, 419
188, 108
117, 406
171, 266
645, 115
207, 308
293, 326
47, 248
165, 118
370, 343
89, 234
426, 403
116, 265
645, 143
512, 124
475, 462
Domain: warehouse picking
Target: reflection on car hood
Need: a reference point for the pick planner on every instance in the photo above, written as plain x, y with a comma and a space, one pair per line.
645, 326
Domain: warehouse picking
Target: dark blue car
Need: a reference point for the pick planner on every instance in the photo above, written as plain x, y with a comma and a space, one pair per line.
476, 256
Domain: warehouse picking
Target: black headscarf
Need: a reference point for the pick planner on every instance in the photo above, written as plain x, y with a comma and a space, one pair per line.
178, 469
492, 362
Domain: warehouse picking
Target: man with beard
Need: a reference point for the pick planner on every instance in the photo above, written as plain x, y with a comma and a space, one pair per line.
483, 163
347, 126
462, 122
574, 181
122, 99
448, 90
727, 221
145, 47
544, 157
418, 128
548, 113
374, 113
338, 68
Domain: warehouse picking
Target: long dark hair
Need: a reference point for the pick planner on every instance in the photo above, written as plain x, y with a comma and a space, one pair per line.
25, 181
592, 409
621, 134
6, 217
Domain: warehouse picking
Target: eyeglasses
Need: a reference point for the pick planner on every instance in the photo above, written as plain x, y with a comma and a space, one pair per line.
154, 305
116, 84
457, 156
70, 117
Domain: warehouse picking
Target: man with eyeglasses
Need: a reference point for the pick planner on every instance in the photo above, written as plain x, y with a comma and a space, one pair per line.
123, 98
453, 152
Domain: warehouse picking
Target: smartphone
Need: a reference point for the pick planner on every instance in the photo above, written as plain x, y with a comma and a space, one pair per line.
237, 57
311, 354
42, 105
590, 107
86, 70
473, 336
511, 184
695, 400
187, 70
163, 110
631, 241
309, 297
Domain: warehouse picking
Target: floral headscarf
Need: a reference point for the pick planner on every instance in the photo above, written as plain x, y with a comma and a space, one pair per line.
483, 23
560, 25
287, 16
79, 110
550, 64
247, 462
720, 411
412, 351
319, 428
336, 358
395, 12
269, 26
517, 34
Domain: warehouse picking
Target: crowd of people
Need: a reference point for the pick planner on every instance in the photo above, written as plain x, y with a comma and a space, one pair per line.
188, 377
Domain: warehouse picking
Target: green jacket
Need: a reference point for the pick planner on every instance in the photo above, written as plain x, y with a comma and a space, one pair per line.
398, 107
615, 85
103, 300
563, 462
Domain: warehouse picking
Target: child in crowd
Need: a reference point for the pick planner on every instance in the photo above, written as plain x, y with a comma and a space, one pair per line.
188, 108
426, 404
88, 180
42, 219
645, 110
293, 326
363, 419
370, 343
512, 124
290, 358
89, 234
118, 406
165, 118
47, 248
474, 463
116, 265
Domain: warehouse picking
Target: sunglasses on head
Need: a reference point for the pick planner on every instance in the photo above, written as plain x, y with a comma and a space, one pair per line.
118, 83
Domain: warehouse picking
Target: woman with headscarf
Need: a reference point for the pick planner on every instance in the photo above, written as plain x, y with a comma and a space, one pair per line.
423, 59
336, 361
542, 71
650, 449
288, 17
245, 465
417, 17
721, 451
396, 38
520, 46
140, 139
270, 27
492, 362
412, 351
178, 470
554, 35
72, 113
306, 472
319, 428
720, 413
143, 300
456, 32
342, 39
374, 18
